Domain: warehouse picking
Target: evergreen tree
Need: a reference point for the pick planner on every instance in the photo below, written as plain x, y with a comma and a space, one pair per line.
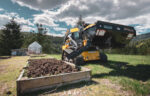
43, 40
10, 38
41, 32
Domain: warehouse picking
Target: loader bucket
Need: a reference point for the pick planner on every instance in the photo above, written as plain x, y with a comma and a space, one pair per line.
110, 35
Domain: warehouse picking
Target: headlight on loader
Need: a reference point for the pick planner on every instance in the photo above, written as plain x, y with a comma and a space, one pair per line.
129, 36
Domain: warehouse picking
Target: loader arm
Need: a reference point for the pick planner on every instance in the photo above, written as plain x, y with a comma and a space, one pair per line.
76, 53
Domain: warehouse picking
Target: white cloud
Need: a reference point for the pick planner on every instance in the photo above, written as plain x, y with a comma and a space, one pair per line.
3, 20
1, 9
54, 34
118, 11
60, 29
69, 20
142, 28
7, 16
26, 28
21, 20
18, 19
40, 4
26, 24
105, 8
44, 19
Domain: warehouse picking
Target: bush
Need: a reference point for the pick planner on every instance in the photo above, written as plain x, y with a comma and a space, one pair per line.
134, 47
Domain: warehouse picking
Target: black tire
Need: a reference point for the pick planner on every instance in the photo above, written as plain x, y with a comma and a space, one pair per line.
103, 57
63, 57
79, 60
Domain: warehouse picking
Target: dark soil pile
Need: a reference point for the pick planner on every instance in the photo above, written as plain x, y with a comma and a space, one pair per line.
42, 67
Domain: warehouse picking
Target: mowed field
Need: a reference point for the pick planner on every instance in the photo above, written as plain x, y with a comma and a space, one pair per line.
122, 75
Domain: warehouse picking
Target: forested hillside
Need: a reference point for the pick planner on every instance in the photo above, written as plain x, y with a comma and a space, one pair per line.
11, 37
50, 44
140, 47
142, 37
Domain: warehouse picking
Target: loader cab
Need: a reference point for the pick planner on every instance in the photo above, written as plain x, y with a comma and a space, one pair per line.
75, 34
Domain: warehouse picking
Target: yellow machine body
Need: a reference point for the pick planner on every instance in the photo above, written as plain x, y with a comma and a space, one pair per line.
66, 45
90, 25
90, 55
74, 29
87, 55
77, 29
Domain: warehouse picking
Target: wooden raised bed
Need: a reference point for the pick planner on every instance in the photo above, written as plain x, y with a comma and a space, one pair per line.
25, 85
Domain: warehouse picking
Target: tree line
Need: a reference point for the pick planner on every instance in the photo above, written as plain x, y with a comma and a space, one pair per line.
141, 47
11, 37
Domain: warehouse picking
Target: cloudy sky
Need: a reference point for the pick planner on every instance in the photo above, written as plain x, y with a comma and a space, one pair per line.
58, 15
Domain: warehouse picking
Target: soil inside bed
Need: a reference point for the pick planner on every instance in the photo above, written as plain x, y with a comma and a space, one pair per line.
43, 67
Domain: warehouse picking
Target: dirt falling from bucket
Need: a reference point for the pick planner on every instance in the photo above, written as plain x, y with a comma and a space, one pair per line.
42, 67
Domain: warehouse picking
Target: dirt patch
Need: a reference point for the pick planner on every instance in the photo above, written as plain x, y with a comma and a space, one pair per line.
4, 88
104, 87
42, 67
3, 69
116, 87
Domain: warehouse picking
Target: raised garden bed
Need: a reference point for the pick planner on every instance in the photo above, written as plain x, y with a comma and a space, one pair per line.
47, 73
5, 57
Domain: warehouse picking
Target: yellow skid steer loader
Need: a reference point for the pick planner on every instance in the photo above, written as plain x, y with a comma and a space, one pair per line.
84, 42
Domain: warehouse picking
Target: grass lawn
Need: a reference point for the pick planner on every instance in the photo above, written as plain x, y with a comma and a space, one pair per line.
122, 75
130, 73
9, 71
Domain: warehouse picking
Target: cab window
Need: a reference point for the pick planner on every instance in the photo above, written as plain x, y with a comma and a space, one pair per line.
108, 27
75, 35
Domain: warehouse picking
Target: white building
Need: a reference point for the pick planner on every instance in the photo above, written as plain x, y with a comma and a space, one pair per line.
35, 48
